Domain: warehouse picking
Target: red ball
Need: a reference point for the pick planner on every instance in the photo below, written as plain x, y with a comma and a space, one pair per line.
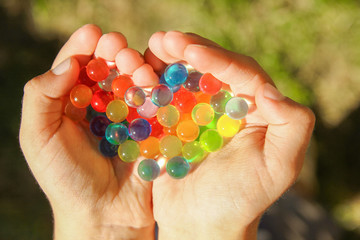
209, 84
133, 114
84, 78
100, 100
184, 100
120, 84
156, 128
97, 69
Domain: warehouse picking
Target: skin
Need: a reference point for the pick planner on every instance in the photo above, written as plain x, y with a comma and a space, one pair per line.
93, 197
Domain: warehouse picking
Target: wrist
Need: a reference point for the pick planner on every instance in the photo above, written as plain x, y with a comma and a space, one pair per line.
222, 231
92, 228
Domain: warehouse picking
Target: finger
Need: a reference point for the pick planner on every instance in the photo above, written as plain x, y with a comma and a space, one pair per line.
109, 45
242, 73
128, 60
289, 130
42, 105
81, 44
156, 46
145, 76
158, 65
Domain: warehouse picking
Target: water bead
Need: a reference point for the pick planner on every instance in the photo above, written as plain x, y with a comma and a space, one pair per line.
98, 125
202, 114
81, 96
107, 149
168, 116
236, 108
177, 167
227, 126
169, 130
133, 114
148, 170
174, 89
213, 123
139, 129
84, 78
187, 131
129, 151
193, 152
211, 140
175, 74
161, 95
97, 69
184, 100
209, 84
148, 109
202, 97
170, 146
106, 84
100, 100
149, 148
134, 97
74, 113
219, 100
156, 127
117, 110
116, 133
192, 82
120, 84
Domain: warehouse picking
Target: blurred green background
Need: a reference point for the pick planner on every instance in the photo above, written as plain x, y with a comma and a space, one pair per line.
311, 48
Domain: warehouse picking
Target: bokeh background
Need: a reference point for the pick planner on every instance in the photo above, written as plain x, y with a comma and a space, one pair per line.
311, 48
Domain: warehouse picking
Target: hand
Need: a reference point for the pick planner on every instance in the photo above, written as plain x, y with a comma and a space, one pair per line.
224, 197
92, 197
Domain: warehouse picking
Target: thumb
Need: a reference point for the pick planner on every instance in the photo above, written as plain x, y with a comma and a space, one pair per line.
43, 103
288, 134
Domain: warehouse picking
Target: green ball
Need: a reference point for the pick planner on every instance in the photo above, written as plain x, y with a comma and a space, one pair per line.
148, 169
219, 100
129, 151
211, 140
177, 167
193, 152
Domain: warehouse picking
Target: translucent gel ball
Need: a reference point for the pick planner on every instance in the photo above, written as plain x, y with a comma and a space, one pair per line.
74, 113
139, 129
107, 149
117, 110
107, 83
148, 109
98, 125
116, 133
135, 97
129, 151
120, 84
97, 69
193, 152
148, 169
170, 146
192, 82
161, 95
209, 84
81, 96
202, 114
227, 126
175, 74
187, 131
168, 116
177, 167
219, 100
149, 148
184, 100
100, 100
211, 140
174, 89
236, 108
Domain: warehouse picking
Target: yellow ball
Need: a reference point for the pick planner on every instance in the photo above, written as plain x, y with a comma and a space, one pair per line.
117, 110
168, 116
228, 127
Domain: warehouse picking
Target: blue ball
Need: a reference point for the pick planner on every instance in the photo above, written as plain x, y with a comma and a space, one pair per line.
148, 169
174, 89
98, 125
177, 167
176, 74
107, 149
116, 133
139, 129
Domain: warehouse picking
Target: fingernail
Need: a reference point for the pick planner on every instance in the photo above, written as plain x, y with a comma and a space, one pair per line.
197, 45
62, 67
271, 92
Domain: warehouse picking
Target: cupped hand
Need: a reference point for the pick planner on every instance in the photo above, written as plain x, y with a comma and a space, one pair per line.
92, 197
224, 197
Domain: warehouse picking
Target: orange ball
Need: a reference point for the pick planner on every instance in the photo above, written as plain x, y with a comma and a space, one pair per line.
81, 96
187, 131
120, 84
149, 148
